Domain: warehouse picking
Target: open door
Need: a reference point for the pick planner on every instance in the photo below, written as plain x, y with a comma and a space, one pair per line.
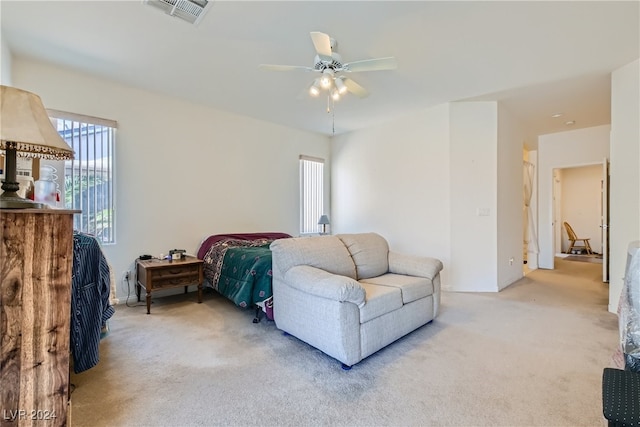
605, 220
557, 214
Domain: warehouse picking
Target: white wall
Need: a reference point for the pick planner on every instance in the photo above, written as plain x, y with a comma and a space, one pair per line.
421, 182
183, 171
625, 172
581, 205
473, 183
510, 188
393, 179
5, 63
579, 147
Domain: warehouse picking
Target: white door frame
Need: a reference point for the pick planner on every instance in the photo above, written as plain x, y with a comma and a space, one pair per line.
605, 219
556, 241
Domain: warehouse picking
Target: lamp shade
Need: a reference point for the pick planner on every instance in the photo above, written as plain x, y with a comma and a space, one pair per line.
25, 127
324, 220
25, 124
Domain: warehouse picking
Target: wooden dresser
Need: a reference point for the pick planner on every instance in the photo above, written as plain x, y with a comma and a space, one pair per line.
36, 255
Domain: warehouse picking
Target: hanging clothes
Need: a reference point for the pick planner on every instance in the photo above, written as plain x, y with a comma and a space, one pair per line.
90, 306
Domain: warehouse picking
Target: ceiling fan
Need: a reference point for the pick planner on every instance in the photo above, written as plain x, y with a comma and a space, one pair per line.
329, 64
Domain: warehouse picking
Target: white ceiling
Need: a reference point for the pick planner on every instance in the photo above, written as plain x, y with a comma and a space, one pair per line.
538, 58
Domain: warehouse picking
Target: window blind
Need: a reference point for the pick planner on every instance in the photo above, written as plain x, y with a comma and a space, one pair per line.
311, 193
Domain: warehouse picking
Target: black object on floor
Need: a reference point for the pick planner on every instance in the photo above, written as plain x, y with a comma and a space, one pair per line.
621, 397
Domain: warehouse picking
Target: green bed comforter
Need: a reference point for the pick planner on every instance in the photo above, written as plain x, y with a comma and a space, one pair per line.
245, 277
240, 270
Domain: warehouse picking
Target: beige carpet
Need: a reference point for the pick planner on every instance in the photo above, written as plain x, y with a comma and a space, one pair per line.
531, 355
597, 259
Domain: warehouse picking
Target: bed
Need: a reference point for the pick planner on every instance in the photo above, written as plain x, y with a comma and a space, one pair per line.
238, 266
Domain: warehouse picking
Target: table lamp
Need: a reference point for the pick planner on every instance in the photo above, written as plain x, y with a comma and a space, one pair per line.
25, 127
324, 221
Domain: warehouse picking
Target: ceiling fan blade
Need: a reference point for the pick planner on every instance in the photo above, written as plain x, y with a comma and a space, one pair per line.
377, 64
355, 88
322, 43
274, 67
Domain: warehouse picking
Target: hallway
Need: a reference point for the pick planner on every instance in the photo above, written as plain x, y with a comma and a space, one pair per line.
574, 282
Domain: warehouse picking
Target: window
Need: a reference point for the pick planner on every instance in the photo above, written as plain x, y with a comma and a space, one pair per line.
311, 193
88, 178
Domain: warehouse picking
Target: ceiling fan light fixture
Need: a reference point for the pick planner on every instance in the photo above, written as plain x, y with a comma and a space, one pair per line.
342, 89
314, 89
327, 77
327, 63
325, 82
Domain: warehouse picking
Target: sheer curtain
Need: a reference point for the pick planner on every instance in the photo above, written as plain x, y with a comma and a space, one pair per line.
530, 234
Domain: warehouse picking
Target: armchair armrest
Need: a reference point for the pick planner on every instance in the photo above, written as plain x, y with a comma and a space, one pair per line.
321, 283
414, 265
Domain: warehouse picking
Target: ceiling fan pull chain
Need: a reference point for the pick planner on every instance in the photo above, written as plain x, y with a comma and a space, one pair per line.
333, 114
333, 122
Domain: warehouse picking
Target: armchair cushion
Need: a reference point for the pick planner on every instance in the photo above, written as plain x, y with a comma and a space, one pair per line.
411, 287
370, 253
414, 265
323, 252
321, 283
380, 300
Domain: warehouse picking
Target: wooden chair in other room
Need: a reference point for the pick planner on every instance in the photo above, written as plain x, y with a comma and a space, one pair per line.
573, 238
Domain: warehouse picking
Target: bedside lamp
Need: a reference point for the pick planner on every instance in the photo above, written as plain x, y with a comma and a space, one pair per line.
324, 221
25, 127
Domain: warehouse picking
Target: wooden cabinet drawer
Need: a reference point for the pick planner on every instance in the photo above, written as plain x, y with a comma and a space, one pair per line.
175, 272
156, 274
175, 280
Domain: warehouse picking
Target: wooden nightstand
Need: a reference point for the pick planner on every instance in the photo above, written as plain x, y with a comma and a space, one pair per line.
154, 274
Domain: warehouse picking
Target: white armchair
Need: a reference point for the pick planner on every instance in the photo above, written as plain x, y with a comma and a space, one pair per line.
348, 295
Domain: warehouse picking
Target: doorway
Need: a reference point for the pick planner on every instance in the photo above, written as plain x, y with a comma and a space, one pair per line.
580, 199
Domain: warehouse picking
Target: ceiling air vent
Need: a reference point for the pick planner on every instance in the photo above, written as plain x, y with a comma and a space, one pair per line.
191, 11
